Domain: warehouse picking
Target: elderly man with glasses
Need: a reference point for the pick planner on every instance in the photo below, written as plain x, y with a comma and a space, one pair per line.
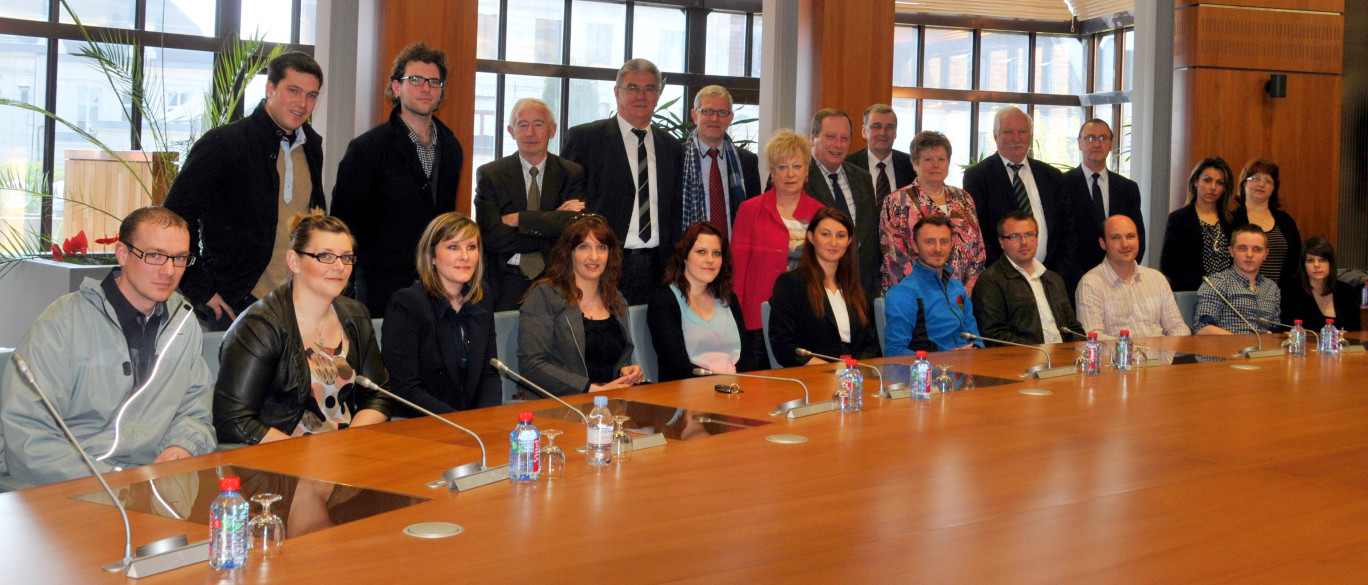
120, 360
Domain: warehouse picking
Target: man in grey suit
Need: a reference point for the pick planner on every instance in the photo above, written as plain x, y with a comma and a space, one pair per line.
891, 169
523, 201
845, 186
1097, 194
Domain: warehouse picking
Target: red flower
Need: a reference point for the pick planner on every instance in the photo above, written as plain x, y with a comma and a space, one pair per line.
77, 245
57, 253
959, 300
107, 241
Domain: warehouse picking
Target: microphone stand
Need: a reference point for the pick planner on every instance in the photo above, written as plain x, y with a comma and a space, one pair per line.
1038, 372
646, 442
461, 477
796, 408
1248, 352
1142, 349
883, 392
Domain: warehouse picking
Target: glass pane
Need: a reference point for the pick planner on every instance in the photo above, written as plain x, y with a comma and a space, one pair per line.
266, 19
487, 40
187, 17
28, 9
252, 96
1124, 162
658, 35
1003, 62
110, 13
987, 111
486, 126
516, 87
540, 31
757, 28
176, 82
590, 99
947, 59
726, 44
676, 113
1105, 65
906, 109
951, 119
905, 56
598, 31
87, 101
23, 77
1059, 65
308, 21
1128, 60
1056, 134
746, 134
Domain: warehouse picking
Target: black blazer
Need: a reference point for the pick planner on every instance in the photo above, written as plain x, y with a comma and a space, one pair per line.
793, 324
1287, 277
903, 173
387, 201
500, 190
1297, 304
866, 216
420, 356
1181, 258
609, 184
988, 183
1123, 198
1005, 307
667, 335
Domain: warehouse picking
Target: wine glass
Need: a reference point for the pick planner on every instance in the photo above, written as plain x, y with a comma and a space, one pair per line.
267, 530
552, 458
944, 383
622, 442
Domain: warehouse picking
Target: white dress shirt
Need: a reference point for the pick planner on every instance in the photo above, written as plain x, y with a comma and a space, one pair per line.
1048, 327
841, 180
1102, 183
629, 140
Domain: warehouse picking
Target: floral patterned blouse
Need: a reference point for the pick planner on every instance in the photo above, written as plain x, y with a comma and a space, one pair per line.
904, 207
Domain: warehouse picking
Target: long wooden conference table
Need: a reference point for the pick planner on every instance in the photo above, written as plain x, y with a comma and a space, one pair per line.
1193, 473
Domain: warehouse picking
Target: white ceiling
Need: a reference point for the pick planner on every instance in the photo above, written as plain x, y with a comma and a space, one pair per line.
1030, 9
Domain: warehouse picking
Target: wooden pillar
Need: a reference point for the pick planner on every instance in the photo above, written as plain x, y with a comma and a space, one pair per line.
451, 26
852, 56
1224, 52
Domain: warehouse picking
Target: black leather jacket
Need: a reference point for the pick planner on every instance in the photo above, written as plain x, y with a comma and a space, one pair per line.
264, 379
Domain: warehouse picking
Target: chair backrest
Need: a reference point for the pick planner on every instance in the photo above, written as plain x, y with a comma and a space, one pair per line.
879, 319
1187, 304
506, 346
212, 341
644, 354
764, 327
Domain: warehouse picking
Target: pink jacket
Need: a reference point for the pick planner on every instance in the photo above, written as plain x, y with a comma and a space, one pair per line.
760, 249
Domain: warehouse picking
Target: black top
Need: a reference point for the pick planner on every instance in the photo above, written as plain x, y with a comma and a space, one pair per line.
603, 344
1123, 198
794, 324
1005, 305
991, 188
666, 322
139, 330
1297, 304
1181, 260
422, 352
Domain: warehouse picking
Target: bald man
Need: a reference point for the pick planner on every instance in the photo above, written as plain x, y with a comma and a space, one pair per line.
1121, 294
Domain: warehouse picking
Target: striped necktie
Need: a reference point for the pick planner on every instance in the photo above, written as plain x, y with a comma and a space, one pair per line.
1023, 201
643, 198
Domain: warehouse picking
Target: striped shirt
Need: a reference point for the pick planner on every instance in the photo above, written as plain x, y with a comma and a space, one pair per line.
1277, 254
1144, 306
1264, 301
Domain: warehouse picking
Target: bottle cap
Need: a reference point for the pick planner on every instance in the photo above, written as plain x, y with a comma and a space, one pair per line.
921, 354
1092, 335
230, 484
1329, 321
1296, 321
1125, 332
850, 362
524, 417
600, 401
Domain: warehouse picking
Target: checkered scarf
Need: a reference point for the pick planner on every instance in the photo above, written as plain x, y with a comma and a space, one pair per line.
695, 194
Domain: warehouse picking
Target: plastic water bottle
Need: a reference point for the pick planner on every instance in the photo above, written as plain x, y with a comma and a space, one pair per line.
1091, 362
921, 377
1124, 349
524, 451
1329, 338
1296, 339
849, 395
600, 435
228, 526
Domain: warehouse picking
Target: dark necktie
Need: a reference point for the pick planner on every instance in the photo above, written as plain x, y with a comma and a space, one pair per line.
881, 186
717, 204
1098, 210
643, 198
839, 195
532, 263
1023, 200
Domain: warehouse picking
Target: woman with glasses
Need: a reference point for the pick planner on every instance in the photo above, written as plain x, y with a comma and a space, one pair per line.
439, 332
289, 364
1195, 241
1318, 294
1257, 199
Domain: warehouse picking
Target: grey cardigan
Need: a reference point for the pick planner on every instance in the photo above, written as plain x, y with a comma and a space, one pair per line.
551, 341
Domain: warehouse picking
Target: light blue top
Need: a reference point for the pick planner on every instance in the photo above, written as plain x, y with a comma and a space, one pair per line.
713, 343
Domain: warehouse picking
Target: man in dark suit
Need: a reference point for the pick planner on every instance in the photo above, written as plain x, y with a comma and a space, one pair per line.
891, 169
845, 186
1096, 194
523, 201
633, 175
717, 174
398, 176
1009, 180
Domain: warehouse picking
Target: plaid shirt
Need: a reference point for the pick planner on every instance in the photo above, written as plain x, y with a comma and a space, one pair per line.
427, 154
1264, 301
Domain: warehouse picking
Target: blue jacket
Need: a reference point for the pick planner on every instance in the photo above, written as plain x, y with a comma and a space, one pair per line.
926, 312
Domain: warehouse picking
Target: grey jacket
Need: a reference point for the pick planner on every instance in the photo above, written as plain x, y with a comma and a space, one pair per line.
551, 342
77, 353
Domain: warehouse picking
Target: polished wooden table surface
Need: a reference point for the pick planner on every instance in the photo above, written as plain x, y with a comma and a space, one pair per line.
1197, 473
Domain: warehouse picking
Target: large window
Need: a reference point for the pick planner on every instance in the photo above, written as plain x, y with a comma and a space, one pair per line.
567, 53
172, 43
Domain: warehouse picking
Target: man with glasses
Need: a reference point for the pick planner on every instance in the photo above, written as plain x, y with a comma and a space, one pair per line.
717, 174
633, 177
891, 169
1097, 194
240, 186
121, 361
398, 176
1017, 299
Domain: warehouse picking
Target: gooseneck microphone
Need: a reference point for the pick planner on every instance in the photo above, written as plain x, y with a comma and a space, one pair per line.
886, 392
1046, 371
461, 477
1263, 321
786, 408
1249, 352
504, 369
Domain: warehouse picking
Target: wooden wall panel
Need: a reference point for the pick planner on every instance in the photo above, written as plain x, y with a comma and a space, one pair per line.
449, 25
1218, 36
1317, 5
852, 57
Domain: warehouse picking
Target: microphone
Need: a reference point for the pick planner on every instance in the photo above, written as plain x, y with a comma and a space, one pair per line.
504, 369
1263, 321
461, 477
886, 392
793, 408
1047, 371
1248, 352
1071, 331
